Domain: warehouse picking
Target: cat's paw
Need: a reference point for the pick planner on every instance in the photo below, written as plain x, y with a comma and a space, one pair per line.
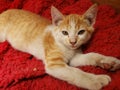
98, 82
109, 63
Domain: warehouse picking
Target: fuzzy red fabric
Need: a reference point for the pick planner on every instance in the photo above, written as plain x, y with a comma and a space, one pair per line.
22, 71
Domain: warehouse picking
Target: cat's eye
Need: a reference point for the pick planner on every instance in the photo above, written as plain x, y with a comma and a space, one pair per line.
81, 32
64, 32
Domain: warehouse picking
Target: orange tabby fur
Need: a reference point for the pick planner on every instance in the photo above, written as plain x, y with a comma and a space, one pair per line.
53, 55
78, 21
58, 43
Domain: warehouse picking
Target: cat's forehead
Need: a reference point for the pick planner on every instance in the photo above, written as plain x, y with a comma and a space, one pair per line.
73, 21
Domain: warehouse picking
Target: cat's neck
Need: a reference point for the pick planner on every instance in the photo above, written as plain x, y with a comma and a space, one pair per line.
68, 53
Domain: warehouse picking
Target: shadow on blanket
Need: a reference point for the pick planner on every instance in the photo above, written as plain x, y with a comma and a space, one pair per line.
21, 71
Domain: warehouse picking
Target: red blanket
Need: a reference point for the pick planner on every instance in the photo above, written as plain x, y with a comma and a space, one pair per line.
21, 71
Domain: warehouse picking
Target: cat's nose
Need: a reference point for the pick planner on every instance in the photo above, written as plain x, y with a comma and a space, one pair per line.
73, 43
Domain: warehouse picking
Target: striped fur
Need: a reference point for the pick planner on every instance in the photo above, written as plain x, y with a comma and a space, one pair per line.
57, 43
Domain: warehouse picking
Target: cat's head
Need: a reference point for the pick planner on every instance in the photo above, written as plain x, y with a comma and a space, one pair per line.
73, 30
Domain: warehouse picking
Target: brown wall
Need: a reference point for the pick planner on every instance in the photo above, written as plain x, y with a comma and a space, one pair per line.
114, 3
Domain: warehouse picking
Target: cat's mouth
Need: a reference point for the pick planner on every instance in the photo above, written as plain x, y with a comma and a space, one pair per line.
74, 46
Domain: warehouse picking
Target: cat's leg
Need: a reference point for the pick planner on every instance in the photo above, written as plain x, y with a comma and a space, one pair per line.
2, 38
57, 68
96, 59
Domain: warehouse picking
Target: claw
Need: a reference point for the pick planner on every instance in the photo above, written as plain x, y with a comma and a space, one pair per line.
109, 63
116, 67
107, 66
110, 66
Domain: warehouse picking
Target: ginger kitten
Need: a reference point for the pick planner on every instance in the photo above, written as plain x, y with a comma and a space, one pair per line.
58, 43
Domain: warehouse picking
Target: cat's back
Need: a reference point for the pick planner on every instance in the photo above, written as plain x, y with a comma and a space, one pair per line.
26, 23
22, 16
20, 26
19, 17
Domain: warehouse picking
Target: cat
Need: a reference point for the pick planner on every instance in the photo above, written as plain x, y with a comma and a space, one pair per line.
57, 43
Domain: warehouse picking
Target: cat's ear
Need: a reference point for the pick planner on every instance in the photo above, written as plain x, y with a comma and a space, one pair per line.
91, 13
56, 15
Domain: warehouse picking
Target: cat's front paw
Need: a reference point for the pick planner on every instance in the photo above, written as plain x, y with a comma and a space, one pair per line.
109, 63
98, 82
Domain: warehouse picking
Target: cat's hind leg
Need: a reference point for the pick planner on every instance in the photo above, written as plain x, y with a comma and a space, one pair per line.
2, 36
2, 32
4, 26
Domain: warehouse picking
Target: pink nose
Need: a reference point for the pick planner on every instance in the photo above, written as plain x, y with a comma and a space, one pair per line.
73, 43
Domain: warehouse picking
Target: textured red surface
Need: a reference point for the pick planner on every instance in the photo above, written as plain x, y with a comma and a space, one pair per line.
21, 71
